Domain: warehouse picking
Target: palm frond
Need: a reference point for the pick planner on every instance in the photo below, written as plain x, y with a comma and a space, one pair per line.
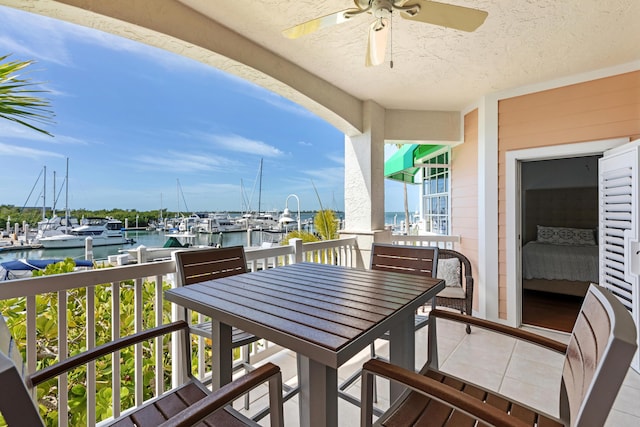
19, 100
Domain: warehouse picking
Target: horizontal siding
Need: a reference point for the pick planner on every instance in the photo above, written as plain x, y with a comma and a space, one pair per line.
591, 132
592, 88
599, 109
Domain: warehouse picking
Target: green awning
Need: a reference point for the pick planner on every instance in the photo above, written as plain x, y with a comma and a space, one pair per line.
401, 166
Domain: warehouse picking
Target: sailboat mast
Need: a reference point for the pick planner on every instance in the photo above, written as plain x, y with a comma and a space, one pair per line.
55, 198
260, 188
66, 195
44, 194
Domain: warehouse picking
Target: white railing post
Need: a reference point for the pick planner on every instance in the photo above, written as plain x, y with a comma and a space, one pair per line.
142, 254
88, 248
297, 250
177, 340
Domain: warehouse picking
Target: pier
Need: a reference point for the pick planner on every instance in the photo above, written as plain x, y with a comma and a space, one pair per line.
10, 245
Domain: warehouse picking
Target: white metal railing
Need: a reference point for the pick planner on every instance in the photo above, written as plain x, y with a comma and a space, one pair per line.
444, 242
141, 285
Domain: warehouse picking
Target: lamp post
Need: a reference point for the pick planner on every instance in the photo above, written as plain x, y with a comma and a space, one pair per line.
287, 208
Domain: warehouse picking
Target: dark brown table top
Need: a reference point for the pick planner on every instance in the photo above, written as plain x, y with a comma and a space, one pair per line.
327, 313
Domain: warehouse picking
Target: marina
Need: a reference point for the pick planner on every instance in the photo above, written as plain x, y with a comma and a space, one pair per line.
153, 239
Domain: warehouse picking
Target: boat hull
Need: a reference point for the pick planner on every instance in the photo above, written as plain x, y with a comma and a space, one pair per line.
70, 241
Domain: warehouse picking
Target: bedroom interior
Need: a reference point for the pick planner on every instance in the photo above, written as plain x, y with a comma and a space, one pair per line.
559, 236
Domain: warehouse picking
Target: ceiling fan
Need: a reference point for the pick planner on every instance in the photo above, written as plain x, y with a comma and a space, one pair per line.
427, 11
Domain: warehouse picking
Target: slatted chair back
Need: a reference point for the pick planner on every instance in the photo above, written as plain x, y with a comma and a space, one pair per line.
601, 347
199, 265
419, 260
16, 405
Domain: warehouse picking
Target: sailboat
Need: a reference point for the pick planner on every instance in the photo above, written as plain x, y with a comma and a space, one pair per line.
259, 220
55, 225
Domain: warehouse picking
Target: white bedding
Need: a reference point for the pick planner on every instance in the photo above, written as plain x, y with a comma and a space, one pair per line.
560, 262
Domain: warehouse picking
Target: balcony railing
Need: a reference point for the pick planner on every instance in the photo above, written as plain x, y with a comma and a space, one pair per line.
444, 242
134, 294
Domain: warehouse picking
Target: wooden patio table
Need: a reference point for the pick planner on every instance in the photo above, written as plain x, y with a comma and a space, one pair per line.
324, 313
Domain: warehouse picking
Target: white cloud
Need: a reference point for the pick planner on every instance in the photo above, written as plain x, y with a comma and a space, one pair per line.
45, 39
34, 36
339, 159
305, 143
185, 162
244, 145
32, 153
326, 175
11, 130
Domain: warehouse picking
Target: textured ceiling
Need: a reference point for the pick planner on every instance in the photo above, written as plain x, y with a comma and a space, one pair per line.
522, 42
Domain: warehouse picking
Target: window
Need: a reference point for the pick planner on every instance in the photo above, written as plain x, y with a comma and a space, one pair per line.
435, 202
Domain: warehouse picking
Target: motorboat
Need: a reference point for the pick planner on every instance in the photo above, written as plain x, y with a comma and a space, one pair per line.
218, 222
103, 231
265, 221
55, 226
189, 223
23, 268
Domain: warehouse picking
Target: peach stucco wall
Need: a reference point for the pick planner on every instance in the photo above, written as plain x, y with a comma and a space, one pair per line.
595, 110
464, 193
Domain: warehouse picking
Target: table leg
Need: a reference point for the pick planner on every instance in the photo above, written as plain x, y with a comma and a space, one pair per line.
222, 354
318, 393
402, 351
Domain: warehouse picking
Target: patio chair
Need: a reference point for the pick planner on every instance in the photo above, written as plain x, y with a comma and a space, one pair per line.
199, 265
597, 359
417, 260
185, 405
455, 268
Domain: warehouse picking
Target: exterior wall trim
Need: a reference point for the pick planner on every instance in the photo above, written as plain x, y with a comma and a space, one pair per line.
513, 214
488, 241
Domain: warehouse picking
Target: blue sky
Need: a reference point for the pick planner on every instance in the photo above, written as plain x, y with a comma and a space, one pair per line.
135, 120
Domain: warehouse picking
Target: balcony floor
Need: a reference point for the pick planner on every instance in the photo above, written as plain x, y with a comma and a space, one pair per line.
516, 369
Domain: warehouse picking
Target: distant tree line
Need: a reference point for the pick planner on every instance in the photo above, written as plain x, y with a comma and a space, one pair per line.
33, 215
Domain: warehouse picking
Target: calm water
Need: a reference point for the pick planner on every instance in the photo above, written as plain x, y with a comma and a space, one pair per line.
155, 239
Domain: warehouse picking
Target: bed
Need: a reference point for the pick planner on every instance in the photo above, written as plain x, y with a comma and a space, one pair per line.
560, 253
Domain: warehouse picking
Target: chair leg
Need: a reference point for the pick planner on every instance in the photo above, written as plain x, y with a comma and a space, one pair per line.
245, 350
468, 328
374, 356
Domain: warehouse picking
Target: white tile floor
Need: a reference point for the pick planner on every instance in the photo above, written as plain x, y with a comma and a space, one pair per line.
516, 369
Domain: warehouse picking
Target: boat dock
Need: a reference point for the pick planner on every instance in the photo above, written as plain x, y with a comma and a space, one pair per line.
10, 245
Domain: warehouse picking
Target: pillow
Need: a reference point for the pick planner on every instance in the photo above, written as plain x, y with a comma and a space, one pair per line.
449, 271
566, 236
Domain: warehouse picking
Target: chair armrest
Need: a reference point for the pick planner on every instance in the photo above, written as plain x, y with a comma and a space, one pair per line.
225, 395
443, 393
107, 348
503, 329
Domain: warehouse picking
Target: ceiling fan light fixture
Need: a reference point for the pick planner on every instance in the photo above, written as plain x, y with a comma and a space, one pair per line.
382, 9
425, 11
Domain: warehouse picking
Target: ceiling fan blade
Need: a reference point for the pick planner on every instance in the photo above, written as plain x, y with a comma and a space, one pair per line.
377, 44
448, 15
318, 23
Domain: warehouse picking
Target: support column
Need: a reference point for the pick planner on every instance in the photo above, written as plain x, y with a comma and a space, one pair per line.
488, 254
364, 181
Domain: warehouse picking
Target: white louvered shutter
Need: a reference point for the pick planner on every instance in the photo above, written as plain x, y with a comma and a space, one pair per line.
618, 233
